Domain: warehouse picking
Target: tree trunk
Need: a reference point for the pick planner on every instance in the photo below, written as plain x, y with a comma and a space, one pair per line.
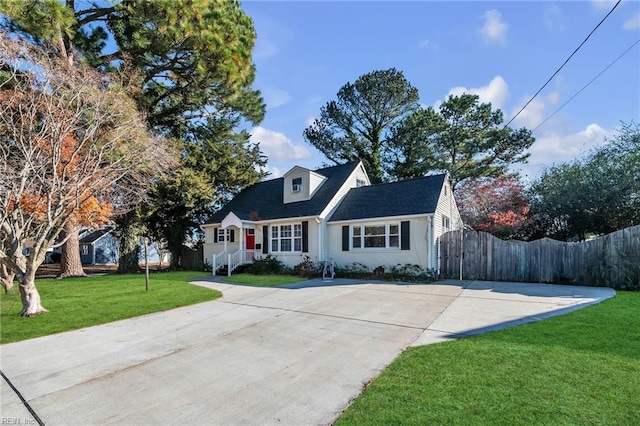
6, 278
129, 260
70, 262
31, 305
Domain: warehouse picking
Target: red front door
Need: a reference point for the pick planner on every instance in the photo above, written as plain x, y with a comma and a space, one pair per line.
250, 239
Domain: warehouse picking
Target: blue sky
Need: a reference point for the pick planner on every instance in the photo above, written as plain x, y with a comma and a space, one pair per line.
503, 51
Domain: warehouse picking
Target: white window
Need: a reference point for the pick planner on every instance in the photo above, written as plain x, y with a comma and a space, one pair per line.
377, 236
394, 235
356, 232
274, 238
296, 184
224, 233
360, 182
286, 238
297, 237
85, 249
446, 223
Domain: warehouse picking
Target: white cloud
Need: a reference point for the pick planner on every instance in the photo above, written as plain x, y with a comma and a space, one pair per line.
274, 172
275, 97
553, 17
601, 5
277, 146
310, 120
554, 148
535, 112
496, 92
632, 23
494, 30
264, 49
426, 43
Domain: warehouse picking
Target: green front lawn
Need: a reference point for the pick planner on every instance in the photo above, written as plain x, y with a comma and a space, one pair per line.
82, 302
263, 280
579, 368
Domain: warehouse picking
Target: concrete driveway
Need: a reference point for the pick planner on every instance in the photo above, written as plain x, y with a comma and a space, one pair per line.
295, 355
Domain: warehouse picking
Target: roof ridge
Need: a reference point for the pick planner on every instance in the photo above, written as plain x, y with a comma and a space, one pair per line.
404, 180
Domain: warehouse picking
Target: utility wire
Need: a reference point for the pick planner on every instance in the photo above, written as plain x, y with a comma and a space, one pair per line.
587, 85
562, 66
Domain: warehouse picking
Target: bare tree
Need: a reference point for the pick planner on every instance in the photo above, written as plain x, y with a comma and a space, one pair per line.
6, 278
69, 137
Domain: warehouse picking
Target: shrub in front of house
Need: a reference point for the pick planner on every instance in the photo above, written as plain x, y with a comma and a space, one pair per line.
268, 265
405, 273
307, 268
355, 270
411, 273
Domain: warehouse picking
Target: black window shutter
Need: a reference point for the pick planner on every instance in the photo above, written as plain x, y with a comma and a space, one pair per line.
404, 235
345, 238
265, 239
305, 236
215, 235
232, 237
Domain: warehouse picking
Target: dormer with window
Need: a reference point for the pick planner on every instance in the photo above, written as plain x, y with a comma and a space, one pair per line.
301, 184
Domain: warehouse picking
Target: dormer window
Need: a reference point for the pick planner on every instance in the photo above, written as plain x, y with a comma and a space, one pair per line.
296, 184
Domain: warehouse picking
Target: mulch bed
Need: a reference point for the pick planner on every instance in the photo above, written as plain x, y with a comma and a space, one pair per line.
51, 270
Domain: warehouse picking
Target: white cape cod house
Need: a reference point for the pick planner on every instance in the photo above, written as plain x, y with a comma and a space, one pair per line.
335, 214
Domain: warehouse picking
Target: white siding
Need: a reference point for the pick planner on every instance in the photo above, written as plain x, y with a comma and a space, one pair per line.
315, 180
210, 248
417, 255
311, 181
446, 207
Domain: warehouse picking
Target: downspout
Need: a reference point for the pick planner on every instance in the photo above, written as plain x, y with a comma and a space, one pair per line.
320, 239
429, 238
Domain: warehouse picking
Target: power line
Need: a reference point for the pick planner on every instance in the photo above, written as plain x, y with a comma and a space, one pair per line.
562, 66
587, 85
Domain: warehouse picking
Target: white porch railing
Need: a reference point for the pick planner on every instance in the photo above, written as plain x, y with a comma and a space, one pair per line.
248, 256
218, 261
232, 260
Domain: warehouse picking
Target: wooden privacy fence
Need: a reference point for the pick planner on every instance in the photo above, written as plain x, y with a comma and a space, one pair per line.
611, 260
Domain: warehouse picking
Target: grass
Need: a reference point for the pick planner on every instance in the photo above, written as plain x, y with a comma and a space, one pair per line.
579, 368
263, 280
75, 303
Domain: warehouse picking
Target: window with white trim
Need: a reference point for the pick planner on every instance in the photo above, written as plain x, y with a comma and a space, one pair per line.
222, 233
360, 182
378, 236
286, 238
296, 184
446, 223
85, 249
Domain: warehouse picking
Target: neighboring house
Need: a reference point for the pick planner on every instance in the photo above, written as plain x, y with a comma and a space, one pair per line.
99, 247
334, 213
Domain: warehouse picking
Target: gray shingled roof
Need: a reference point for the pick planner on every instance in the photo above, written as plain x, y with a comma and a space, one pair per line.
264, 200
94, 236
407, 197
